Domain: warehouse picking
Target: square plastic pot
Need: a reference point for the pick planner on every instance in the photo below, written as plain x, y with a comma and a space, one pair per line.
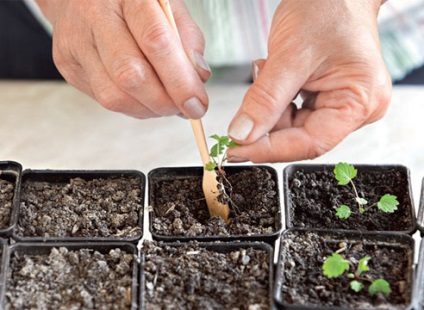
186, 282
302, 254
178, 210
420, 216
10, 175
312, 194
79, 192
36, 249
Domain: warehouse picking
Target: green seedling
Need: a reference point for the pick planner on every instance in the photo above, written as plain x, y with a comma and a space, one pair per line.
218, 152
345, 174
335, 266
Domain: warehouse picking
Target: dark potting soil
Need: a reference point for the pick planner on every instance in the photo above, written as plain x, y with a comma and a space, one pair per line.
180, 208
103, 207
305, 283
6, 202
191, 277
80, 279
315, 196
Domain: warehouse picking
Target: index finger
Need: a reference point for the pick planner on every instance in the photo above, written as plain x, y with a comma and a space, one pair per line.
164, 51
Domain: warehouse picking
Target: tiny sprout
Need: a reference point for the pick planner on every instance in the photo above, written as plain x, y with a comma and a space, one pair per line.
344, 174
218, 152
335, 265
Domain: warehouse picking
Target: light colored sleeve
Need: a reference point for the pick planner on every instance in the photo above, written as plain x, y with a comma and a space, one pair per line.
401, 30
236, 31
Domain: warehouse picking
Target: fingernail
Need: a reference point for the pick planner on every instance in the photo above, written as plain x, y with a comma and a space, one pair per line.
241, 127
255, 70
194, 108
237, 159
201, 62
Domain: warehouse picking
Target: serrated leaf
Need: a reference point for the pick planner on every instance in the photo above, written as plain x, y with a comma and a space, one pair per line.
335, 266
215, 137
216, 150
388, 203
224, 140
343, 212
210, 166
363, 265
233, 144
356, 285
344, 173
361, 201
380, 285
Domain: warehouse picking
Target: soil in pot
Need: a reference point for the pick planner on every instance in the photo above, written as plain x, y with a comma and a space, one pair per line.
179, 206
313, 195
301, 281
7, 189
101, 207
71, 279
208, 276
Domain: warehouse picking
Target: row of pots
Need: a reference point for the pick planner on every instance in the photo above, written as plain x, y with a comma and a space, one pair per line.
175, 196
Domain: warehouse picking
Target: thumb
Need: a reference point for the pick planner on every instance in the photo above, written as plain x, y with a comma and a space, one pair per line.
266, 100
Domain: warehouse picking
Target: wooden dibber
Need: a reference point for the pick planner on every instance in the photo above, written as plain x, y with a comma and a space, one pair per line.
209, 183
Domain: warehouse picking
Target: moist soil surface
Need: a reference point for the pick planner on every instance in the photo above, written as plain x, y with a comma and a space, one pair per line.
305, 284
314, 196
6, 202
179, 206
103, 207
74, 279
190, 277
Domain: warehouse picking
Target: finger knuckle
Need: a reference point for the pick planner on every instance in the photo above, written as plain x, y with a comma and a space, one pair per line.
110, 100
263, 98
128, 75
157, 38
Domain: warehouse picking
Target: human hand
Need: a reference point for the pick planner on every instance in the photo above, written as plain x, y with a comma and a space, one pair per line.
330, 51
126, 56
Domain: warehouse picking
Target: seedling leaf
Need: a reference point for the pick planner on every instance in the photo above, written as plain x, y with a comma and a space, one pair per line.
344, 173
232, 144
335, 266
218, 152
210, 166
388, 203
356, 285
380, 285
363, 265
343, 212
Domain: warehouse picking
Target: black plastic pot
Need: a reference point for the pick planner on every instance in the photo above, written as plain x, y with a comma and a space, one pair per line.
419, 278
303, 252
34, 249
312, 195
182, 285
420, 216
194, 206
110, 207
3, 254
11, 172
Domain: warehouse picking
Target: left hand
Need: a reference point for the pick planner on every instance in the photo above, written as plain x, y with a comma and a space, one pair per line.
330, 51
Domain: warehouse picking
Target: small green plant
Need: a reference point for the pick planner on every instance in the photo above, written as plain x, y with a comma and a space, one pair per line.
218, 152
345, 174
335, 265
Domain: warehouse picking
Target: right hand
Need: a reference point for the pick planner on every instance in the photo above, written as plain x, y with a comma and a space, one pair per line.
126, 56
